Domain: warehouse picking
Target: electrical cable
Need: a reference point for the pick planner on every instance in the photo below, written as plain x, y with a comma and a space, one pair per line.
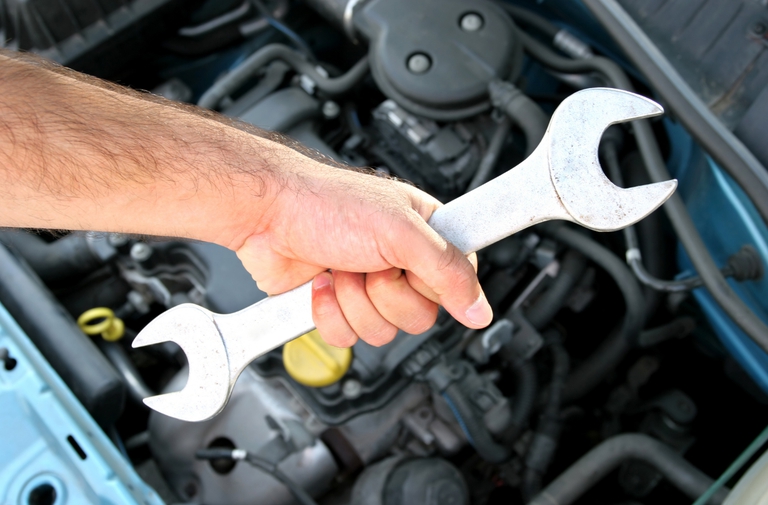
474, 428
277, 25
610, 157
230, 82
262, 464
675, 208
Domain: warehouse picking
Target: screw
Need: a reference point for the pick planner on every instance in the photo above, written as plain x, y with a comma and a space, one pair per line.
419, 63
471, 22
140, 252
759, 29
331, 109
351, 389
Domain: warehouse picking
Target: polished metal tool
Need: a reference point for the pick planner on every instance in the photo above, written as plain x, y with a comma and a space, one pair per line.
562, 179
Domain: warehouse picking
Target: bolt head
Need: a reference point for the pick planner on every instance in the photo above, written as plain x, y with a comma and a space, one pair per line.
331, 109
418, 63
351, 389
471, 22
140, 252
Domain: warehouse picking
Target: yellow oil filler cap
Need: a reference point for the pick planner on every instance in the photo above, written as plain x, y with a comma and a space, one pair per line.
312, 362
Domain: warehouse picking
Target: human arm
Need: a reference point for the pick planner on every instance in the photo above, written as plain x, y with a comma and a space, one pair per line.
80, 154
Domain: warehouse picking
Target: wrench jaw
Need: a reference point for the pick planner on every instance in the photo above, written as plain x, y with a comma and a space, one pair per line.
573, 137
208, 387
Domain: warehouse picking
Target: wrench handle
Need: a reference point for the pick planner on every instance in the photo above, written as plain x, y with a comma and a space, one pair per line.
517, 199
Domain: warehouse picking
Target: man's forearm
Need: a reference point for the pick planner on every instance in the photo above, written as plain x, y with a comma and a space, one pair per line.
76, 153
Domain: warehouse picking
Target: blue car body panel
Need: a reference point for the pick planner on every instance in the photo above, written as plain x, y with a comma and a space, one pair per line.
51, 449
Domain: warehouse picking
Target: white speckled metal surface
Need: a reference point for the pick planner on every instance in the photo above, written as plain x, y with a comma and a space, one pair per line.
562, 179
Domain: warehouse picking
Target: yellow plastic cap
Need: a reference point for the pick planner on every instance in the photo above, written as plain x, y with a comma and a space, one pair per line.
101, 320
312, 362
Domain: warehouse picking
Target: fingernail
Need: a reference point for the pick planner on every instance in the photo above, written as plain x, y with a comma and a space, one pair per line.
321, 281
480, 313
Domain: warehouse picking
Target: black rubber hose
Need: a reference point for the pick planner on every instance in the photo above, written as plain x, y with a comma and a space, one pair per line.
525, 392
677, 328
650, 232
523, 111
675, 208
280, 27
70, 352
63, 259
119, 358
474, 428
243, 72
693, 113
606, 457
615, 347
267, 466
544, 443
610, 156
491, 156
543, 310
531, 19
598, 365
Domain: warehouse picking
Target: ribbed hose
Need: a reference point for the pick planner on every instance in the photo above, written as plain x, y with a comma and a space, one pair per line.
473, 427
230, 82
606, 457
675, 208
615, 347
544, 443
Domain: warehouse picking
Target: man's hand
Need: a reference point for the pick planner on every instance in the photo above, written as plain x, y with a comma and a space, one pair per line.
80, 154
389, 269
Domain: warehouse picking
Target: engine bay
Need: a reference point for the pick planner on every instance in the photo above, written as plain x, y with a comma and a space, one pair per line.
614, 371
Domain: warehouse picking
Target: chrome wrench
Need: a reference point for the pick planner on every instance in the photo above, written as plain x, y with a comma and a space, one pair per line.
561, 179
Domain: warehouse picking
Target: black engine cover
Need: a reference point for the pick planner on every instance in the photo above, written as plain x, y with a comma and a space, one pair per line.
461, 62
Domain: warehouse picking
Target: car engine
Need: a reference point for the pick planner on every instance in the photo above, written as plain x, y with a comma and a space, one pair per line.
625, 367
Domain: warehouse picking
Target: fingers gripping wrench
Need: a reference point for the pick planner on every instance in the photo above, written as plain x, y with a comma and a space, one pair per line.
562, 179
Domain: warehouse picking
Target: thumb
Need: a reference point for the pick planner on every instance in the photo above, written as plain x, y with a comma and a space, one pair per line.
442, 268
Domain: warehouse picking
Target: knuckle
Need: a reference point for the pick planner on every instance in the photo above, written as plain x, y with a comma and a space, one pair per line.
459, 278
383, 334
423, 321
377, 281
346, 340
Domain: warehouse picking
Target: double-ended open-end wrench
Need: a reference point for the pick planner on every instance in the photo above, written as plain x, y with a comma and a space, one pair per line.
561, 179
